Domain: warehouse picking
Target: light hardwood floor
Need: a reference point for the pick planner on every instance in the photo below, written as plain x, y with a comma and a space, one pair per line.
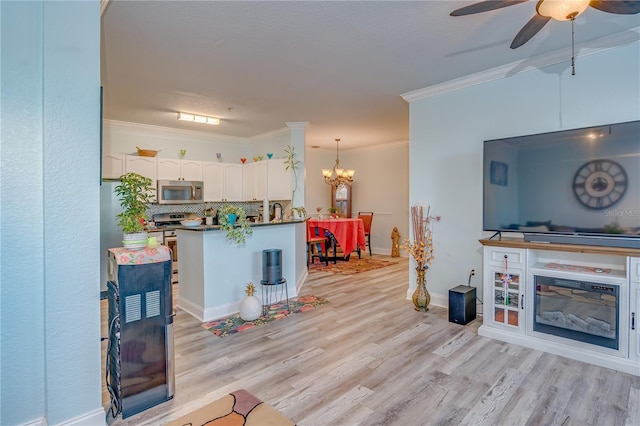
368, 358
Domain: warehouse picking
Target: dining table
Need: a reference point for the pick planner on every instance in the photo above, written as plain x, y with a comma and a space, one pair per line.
348, 232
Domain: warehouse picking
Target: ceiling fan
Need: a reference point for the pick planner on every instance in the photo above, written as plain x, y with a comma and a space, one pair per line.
560, 10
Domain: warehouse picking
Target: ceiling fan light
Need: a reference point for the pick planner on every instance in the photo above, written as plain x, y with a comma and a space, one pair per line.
561, 10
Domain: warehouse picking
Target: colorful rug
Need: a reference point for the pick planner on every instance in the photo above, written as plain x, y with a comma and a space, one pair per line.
235, 324
239, 408
352, 266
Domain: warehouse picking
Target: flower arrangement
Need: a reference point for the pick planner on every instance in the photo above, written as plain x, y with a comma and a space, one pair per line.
421, 249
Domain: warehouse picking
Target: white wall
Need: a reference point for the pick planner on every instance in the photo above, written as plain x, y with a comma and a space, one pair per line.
49, 246
447, 132
121, 137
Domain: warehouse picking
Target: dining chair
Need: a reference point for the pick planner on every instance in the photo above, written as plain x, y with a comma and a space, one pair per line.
317, 246
367, 219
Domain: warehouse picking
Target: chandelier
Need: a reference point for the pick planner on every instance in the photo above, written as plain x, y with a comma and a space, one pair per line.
338, 175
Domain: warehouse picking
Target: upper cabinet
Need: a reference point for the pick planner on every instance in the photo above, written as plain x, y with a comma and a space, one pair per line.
145, 166
255, 181
222, 182
278, 179
112, 166
173, 169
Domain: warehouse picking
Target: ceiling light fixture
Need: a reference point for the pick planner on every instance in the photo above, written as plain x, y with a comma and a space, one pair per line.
564, 10
338, 175
183, 116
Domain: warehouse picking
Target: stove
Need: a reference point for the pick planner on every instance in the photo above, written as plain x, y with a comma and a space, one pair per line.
166, 222
169, 219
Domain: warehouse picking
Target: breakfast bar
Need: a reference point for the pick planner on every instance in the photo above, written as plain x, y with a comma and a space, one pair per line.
215, 272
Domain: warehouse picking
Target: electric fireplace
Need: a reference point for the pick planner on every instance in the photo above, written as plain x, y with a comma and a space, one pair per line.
578, 310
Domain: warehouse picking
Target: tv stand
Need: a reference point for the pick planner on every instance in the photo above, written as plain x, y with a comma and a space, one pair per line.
510, 313
499, 234
587, 240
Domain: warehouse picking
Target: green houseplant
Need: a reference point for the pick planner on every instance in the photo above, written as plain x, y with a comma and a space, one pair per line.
135, 192
233, 219
291, 163
299, 212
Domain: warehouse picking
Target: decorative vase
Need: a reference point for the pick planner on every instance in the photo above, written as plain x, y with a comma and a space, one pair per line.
250, 307
421, 296
135, 241
231, 218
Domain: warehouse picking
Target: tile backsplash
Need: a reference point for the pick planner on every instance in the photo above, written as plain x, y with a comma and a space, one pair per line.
251, 208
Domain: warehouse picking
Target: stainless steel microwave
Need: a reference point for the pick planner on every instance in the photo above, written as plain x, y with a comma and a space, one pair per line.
180, 192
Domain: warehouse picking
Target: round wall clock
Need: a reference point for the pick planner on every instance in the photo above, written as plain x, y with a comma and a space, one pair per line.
599, 184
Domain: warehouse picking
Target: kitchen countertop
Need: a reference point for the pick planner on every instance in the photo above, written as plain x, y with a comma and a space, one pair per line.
204, 228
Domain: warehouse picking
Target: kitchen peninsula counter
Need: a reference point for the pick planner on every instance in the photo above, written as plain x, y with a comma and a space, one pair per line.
214, 273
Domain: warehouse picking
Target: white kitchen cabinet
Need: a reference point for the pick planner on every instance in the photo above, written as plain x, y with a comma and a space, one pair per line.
113, 166
233, 182
254, 181
222, 181
174, 169
278, 179
144, 166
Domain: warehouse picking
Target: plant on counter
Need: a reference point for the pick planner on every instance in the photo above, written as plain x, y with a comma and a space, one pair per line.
134, 192
233, 219
299, 212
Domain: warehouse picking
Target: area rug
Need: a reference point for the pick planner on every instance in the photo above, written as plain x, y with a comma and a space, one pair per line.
239, 408
235, 324
353, 266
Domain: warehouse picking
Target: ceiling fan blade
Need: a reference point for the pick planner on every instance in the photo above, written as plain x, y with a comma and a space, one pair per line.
530, 29
622, 7
484, 6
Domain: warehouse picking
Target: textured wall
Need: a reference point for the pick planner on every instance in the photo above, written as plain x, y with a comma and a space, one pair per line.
50, 339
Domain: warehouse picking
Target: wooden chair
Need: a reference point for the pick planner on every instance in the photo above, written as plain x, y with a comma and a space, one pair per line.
317, 246
367, 219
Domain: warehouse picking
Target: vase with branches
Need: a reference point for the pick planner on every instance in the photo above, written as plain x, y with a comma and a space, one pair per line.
421, 249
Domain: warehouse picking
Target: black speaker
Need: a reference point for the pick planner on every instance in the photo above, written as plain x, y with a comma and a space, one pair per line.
462, 304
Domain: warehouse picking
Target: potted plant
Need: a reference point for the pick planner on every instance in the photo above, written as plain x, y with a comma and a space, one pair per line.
292, 163
233, 219
299, 212
135, 193
333, 211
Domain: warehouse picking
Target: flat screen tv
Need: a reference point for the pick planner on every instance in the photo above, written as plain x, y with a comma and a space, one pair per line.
579, 186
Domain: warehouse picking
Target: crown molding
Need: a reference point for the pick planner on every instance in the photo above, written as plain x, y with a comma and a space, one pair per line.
294, 124
383, 145
270, 134
151, 129
557, 56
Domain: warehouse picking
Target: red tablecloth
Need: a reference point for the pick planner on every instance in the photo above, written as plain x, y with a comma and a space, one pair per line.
349, 233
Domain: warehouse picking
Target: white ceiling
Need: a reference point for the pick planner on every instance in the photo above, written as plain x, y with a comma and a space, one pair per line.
341, 66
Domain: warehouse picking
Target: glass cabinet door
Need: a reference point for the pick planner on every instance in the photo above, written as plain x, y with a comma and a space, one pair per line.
507, 299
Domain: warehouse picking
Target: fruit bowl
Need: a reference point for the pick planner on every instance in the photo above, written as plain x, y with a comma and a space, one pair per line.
191, 222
